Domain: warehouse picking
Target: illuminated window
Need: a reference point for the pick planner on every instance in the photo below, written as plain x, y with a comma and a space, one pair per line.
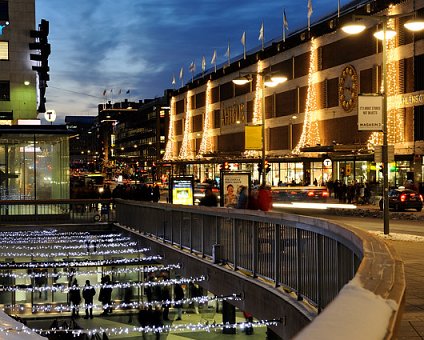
4, 90
4, 50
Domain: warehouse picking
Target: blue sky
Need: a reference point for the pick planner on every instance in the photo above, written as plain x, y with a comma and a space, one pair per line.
138, 45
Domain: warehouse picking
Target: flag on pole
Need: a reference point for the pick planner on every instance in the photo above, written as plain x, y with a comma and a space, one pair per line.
173, 79
128, 92
213, 61
243, 42
285, 25
104, 93
309, 14
192, 69
227, 54
120, 91
203, 64
261, 34
181, 72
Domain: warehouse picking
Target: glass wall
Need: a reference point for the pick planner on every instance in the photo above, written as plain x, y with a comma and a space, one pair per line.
34, 166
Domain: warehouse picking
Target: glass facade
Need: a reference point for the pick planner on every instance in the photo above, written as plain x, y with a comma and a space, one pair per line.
34, 166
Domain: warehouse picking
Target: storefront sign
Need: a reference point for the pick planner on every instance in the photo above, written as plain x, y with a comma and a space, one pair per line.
233, 114
327, 162
370, 113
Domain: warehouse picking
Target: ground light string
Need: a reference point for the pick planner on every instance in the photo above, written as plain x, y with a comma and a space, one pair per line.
164, 329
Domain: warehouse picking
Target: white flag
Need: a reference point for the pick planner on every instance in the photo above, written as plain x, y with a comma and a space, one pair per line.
203, 64
309, 13
181, 73
227, 54
285, 25
192, 67
243, 42
173, 79
213, 61
261, 34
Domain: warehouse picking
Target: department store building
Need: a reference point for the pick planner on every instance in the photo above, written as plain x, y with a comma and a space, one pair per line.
311, 120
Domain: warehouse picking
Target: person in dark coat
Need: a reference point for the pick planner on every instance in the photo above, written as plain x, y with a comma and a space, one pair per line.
166, 296
105, 295
145, 318
209, 200
88, 293
75, 298
179, 295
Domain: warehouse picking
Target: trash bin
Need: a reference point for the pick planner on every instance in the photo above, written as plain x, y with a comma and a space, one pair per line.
216, 253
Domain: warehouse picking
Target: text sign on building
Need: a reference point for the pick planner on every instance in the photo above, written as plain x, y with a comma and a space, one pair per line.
370, 113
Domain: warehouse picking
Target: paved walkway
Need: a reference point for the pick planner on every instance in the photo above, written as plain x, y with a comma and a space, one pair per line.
412, 253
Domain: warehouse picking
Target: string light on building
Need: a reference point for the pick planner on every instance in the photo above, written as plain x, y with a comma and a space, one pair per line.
310, 132
186, 151
169, 150
395, 115
206, 143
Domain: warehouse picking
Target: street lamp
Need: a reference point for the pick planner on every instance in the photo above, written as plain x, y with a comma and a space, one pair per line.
269, 80
385, 34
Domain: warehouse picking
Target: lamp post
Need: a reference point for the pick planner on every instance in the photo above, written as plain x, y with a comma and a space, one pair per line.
275, 79
415, 24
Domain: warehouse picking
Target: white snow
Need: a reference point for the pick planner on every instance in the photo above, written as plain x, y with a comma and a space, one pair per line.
399, 237
356, 313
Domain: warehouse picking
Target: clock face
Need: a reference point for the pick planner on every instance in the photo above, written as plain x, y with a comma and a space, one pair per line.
348, 88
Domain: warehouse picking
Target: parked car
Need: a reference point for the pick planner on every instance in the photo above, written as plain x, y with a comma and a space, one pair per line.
401, 199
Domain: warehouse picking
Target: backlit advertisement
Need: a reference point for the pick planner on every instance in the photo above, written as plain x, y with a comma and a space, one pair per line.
182, 189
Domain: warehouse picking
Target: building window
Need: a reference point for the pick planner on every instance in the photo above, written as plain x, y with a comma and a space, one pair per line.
4, 11
4, 91
4, 50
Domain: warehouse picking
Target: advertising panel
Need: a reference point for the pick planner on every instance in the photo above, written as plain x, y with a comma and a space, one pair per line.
182, 190
231, 184
370, 113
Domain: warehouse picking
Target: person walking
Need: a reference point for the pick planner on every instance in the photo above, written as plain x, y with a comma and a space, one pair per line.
243, 197
210, 199
75, 298
88, 294
179, 296
264, 198
105, 295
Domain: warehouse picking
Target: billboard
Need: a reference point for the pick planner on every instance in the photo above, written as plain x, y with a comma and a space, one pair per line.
182, 190
370, 113
231, 182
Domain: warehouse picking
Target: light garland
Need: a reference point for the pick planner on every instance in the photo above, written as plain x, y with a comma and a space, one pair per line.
395, 116
83, 263
169, 150
206, 143
86, 253
124, 305
162, 329
65, 289
186, 151
310, 132
74, 247
144, 269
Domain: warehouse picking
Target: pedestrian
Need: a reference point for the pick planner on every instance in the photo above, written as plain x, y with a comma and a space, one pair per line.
145, 318
156, 193
166, 298
75, 298
88, 293
264, 198
179, 296
243, 197
210, 199
105, 295
157, 322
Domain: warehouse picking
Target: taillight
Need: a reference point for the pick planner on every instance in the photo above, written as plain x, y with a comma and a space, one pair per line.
324, 194
310, 193
402, 197
421, 198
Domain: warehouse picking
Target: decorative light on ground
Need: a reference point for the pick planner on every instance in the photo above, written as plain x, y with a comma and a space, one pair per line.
206, 143
186, 151
169, 150
310, 132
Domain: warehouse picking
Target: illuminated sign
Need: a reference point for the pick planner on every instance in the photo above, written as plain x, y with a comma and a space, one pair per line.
182, 190
233, 114
370, 113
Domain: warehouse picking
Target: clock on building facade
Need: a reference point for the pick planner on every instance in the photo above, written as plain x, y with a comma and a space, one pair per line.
348, 88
